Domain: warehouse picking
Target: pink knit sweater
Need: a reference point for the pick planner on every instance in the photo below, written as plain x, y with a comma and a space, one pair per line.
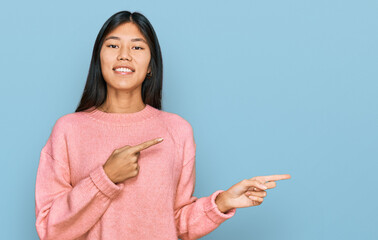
75, 199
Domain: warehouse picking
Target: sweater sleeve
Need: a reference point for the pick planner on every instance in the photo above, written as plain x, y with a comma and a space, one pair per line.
64, 211
195, 217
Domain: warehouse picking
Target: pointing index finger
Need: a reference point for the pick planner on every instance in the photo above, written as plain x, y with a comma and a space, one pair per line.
275, 177
147, 144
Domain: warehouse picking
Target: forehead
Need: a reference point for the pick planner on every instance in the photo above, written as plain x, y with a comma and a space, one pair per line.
126, 30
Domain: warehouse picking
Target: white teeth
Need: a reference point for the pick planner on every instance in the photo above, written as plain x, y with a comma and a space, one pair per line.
123, 70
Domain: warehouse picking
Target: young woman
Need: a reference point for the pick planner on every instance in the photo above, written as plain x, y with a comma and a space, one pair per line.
121, 168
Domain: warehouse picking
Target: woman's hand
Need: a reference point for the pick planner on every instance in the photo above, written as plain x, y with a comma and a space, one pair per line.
123, 162
248, 192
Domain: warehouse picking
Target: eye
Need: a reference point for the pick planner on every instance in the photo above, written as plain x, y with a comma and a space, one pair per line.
139, 47
110, 45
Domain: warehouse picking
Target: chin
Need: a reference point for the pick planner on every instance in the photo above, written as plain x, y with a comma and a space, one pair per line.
127, 87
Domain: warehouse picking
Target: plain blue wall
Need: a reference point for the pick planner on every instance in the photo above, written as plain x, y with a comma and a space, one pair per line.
270, 87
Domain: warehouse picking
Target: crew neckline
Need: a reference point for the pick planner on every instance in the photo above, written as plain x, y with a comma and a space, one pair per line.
123, 118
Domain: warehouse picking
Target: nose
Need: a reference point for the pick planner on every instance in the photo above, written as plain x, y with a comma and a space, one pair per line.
124, 54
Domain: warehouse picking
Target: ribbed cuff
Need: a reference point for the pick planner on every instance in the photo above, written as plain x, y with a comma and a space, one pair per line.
212, 211
104, 184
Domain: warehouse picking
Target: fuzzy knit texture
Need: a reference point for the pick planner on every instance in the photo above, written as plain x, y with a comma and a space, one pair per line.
75, 199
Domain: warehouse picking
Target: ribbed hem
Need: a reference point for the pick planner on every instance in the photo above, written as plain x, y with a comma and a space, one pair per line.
104, 184
123, 118
212, 211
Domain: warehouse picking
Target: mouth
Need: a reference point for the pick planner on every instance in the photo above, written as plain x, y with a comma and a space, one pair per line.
123, 70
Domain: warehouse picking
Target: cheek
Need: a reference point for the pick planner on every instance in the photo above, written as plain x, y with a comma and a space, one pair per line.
105, 56
105, 63
144, 57
146, 60
104, 59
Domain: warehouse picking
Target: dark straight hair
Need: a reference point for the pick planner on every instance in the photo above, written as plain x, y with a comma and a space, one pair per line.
95, 90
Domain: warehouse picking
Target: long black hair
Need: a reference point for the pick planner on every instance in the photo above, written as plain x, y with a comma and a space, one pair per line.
95, 90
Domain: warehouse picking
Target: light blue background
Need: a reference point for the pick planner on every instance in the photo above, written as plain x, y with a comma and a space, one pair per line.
270, 87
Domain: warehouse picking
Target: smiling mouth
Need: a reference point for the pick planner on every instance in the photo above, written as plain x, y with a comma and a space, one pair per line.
123, 71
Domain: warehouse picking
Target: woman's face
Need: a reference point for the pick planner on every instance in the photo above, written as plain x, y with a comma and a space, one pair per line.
125, 57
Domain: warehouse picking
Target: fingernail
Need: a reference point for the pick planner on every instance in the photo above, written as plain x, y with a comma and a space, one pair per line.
160, 139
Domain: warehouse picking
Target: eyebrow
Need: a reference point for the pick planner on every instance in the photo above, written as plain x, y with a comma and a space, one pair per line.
133, 39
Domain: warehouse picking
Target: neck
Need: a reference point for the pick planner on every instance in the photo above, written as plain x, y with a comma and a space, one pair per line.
123, 101
118, 118
121, 109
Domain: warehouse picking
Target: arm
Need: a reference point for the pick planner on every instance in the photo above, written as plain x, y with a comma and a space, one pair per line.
194, 217
66, 212
63, 211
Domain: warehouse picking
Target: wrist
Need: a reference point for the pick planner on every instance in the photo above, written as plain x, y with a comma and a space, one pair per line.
222, 202
108, 174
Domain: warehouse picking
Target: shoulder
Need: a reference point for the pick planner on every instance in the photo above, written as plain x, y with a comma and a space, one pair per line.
184, 131
177, 123
59, 130
66, 122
